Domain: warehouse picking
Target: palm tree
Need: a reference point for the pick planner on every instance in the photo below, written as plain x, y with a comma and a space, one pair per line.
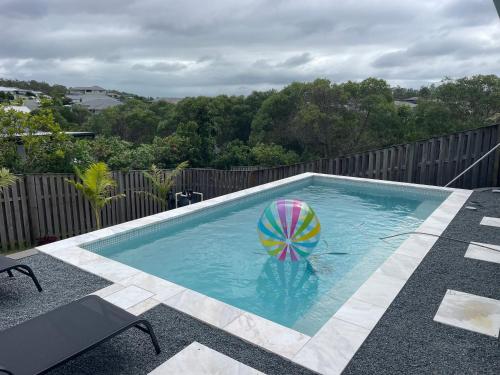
6, 179
96, 185
162, 183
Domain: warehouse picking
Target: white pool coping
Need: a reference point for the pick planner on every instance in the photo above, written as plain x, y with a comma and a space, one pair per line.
333, 346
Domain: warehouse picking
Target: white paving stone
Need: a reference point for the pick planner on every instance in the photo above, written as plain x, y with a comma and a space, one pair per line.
75, 255
143, 306
209, 310
361, 313
104, 292
109, 269
162, 289
470, 312
482, 253
271, 336
417, 245
379, 290
399, 266
491, 221
197, 359
128, 297
331, 349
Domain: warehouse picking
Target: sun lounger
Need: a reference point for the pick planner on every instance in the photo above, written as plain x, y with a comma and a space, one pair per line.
57, 336
8, 265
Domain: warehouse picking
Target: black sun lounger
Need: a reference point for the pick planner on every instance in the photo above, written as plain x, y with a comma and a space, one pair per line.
53, 338
8, 265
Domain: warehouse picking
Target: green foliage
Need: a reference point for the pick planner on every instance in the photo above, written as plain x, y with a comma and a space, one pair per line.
96, 185
270, 155
135, 121
42, 140
302, 121
234, 153
6, 179
162, 183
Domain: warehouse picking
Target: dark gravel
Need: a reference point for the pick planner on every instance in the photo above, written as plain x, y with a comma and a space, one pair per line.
406, 339
61, 283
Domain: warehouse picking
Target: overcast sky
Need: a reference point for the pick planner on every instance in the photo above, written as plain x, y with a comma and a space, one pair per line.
199, 47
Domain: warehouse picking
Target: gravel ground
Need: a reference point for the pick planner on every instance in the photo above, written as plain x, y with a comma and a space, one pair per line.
406, 339
61, 283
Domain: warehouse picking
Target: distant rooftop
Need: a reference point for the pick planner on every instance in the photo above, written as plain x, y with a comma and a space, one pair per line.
15, 89
93, 88
7, 89
94, 102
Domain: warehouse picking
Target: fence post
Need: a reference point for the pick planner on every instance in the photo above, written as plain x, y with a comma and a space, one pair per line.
32, 207
410, 162
121, 202
495, 178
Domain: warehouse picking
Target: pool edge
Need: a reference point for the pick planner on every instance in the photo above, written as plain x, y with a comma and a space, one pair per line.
348, 325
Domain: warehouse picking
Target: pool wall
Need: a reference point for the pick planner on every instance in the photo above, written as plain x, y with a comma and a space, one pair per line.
332, 347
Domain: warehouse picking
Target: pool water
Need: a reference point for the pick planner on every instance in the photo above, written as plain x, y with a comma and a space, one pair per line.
218, 253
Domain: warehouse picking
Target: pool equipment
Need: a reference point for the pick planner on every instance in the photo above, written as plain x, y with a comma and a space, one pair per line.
289, 227
187, 197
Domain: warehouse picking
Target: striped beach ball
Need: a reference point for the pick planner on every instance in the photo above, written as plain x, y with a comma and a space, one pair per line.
289, 229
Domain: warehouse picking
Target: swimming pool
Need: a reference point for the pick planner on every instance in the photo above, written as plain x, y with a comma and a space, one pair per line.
216, 251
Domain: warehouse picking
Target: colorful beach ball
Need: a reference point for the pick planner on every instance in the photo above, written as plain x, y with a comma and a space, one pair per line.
289, 229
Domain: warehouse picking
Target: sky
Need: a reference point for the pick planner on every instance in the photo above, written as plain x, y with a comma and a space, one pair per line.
196, 47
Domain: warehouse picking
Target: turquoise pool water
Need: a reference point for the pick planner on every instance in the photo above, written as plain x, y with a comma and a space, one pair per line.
218, 253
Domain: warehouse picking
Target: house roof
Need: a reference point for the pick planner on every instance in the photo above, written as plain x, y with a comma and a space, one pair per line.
95, 88
94, 102
8, 89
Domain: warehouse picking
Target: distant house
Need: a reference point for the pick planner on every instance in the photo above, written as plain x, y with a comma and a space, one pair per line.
169, 100
94, 98
20, 93
87, 90
410, 102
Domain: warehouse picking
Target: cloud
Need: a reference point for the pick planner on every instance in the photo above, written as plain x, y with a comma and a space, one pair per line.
161, 67
172, 48
464, 48
296, 60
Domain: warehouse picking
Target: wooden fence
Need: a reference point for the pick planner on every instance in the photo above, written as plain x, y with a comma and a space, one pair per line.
44, 205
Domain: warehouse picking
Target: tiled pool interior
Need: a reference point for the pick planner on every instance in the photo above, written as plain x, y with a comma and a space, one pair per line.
216, 251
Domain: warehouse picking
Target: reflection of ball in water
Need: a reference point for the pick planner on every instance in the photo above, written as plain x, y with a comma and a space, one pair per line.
289, 226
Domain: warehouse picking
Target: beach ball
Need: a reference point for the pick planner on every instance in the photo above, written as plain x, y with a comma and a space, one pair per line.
289, 229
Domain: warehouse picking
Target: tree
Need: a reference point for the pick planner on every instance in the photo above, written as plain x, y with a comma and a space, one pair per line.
96, 185
233, 154
43, 142
162, 183
132, 121
272, 155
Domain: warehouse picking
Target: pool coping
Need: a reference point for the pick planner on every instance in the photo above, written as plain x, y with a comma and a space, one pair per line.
336, 342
